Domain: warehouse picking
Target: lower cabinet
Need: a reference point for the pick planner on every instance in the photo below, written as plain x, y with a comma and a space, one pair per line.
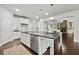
25, 38
37, 43
34, 43
44, 43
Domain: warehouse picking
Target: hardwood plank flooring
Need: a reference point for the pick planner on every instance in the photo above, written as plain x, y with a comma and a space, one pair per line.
69, 46
14, 48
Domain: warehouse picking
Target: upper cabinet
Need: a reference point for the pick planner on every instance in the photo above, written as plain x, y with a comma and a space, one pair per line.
24, 21
16, 28
16, 23
25, 24
20, 24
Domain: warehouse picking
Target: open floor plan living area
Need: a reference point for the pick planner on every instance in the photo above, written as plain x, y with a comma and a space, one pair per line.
39, 29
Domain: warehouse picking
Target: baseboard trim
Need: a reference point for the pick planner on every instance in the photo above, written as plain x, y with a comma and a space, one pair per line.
76, 41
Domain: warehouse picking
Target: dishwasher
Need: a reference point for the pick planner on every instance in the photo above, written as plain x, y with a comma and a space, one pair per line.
34, 43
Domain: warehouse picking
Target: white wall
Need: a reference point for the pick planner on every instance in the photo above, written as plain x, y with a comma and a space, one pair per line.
0, 29
7, 28
76, 28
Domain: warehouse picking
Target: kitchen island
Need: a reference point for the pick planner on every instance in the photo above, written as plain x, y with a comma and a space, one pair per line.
39, 41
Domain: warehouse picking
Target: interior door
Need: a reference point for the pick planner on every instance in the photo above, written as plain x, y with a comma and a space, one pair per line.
63, 26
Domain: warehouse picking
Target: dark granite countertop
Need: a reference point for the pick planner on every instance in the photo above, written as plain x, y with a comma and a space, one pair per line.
43, 34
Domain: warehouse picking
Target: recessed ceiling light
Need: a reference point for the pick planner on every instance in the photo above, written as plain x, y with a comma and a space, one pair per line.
17, 9
36, 17
61, 21
40, 19
34, 21
46, 13
51, 18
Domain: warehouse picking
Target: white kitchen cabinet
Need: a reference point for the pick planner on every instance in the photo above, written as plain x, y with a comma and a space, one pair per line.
16, 26
25, 21
25, 39
43, 44
24, 27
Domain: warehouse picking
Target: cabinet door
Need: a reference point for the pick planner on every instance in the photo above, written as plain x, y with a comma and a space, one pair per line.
16, 26
34, 43
45, 43
25, 39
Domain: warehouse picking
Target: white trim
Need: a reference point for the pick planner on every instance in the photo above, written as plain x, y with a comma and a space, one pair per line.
76, 40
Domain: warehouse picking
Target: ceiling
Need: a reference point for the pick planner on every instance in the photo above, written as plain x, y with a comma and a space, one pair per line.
32, 10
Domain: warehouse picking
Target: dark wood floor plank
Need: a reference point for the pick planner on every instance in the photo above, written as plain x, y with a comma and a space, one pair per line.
69, 46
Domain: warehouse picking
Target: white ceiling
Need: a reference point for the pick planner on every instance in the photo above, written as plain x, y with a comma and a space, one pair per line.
32, 10
63, 8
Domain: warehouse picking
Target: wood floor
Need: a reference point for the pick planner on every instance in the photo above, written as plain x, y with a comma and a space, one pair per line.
14, 48
69, 47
